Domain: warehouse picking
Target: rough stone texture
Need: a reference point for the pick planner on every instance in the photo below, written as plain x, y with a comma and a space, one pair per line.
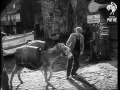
103, 76
34, 80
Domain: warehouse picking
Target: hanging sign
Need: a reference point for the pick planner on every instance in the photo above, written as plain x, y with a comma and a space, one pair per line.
93, 18
93, 6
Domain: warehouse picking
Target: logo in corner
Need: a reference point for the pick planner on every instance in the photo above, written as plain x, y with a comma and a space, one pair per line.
112, 7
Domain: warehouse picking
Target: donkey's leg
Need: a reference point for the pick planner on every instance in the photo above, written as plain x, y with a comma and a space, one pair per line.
45, 74
18, 73
15, 70
51, 73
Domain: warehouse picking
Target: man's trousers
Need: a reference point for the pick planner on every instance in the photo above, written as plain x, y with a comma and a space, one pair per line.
73, 64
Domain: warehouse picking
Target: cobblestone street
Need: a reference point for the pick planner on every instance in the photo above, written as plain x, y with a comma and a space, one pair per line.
102, 76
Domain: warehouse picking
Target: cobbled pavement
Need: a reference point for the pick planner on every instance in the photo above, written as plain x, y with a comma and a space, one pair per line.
103, 76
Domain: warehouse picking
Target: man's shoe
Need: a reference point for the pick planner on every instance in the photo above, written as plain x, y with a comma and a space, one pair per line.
68, 77
74, 74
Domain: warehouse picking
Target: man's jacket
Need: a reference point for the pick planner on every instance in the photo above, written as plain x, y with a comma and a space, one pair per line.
72, 41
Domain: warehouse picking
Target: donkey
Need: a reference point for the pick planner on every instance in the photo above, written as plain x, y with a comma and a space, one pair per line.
34, 58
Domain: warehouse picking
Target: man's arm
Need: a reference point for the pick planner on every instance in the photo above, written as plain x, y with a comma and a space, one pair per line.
69, 41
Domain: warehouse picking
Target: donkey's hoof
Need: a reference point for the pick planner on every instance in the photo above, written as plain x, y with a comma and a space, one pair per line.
48, 79
21, 82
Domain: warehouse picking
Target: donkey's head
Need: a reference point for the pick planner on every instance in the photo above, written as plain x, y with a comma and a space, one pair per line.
63, 50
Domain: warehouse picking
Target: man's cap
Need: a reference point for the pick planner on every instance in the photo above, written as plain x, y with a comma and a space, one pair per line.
79, 29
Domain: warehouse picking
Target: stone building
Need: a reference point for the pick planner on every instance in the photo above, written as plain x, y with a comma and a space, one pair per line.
47, 17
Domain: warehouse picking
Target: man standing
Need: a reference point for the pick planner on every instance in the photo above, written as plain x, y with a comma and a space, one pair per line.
76, 44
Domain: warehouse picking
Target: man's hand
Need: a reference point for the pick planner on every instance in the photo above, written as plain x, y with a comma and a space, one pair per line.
81, 53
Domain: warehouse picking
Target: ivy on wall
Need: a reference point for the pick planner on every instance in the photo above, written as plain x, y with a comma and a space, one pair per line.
53, 12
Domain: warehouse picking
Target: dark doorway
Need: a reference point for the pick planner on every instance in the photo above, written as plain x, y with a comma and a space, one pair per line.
71, 18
